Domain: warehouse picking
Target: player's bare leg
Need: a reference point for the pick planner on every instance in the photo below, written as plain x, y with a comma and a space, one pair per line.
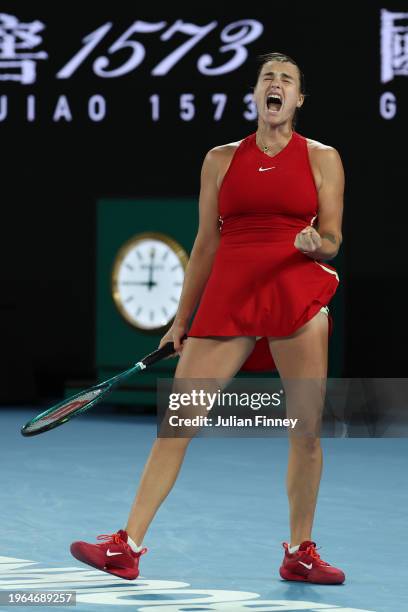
204, 358
301, 360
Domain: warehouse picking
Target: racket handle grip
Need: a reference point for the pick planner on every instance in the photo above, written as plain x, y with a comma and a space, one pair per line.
161, 353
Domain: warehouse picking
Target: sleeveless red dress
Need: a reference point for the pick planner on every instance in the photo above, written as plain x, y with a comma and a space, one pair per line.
260, 284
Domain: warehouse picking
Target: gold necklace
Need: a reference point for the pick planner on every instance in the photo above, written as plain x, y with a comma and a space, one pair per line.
266, 148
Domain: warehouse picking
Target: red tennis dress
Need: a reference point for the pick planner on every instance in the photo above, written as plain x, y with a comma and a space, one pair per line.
260, 284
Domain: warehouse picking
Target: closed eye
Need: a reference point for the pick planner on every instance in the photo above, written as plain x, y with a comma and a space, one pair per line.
285, 77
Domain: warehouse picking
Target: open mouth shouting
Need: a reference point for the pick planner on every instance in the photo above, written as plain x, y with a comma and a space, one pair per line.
274, 103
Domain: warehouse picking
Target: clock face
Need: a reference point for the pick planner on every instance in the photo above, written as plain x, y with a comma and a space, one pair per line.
147, 279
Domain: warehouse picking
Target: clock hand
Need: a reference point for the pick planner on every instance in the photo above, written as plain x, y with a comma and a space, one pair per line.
151, 267
148, 283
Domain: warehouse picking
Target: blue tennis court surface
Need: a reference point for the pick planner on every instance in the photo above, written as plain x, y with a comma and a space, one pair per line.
216, 542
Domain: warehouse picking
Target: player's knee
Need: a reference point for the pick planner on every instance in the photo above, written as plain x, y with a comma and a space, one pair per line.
305, 443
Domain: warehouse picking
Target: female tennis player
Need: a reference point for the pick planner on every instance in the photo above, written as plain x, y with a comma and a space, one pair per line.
278, 197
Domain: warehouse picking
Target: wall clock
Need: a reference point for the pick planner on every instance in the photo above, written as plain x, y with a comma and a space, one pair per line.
147, 279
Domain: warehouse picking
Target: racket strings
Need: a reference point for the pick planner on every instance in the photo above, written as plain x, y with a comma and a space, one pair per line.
70, 406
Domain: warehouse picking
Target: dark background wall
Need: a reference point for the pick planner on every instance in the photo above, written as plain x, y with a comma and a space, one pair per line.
53, 172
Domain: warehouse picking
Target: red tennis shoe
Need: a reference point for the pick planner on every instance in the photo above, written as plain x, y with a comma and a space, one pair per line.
305, 565
114, 556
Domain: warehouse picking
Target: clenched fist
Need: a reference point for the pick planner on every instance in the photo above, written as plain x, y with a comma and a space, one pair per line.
308, 240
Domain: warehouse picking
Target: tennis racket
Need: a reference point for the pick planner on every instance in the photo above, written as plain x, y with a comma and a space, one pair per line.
79, 403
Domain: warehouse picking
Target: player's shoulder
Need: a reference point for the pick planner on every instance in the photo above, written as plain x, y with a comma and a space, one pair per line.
321, 149
224, 150
220, 156
322, 153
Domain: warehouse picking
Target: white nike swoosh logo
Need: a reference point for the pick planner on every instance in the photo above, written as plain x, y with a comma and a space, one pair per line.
112, 554
309, 567
264, 169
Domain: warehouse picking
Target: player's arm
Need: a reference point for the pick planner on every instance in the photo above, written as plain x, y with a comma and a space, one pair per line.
330, 198
206, 241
